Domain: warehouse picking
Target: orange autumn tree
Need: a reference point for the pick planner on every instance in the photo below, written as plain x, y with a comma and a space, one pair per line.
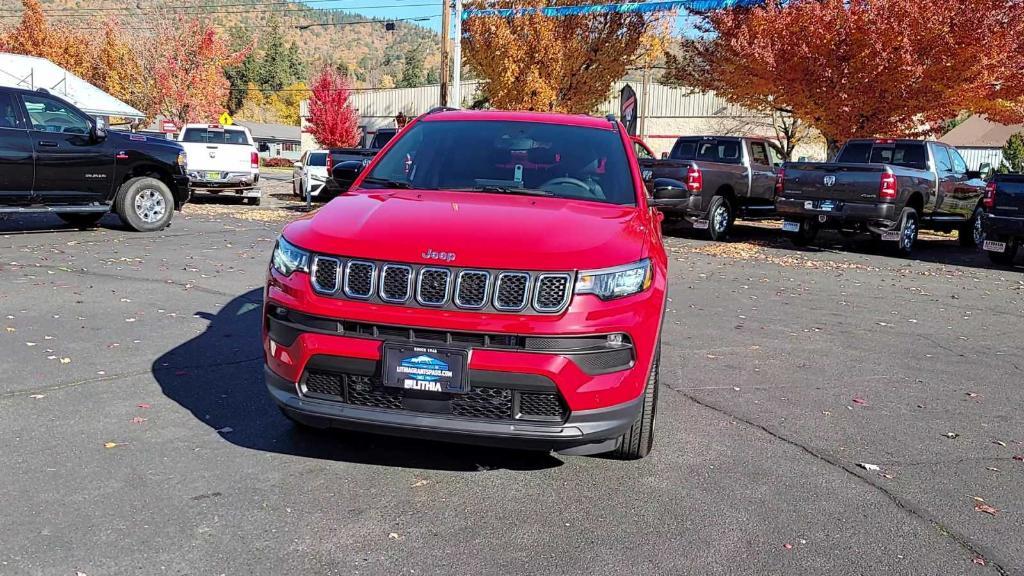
189, 80
117, 69
862, 68
34, 36
552, 63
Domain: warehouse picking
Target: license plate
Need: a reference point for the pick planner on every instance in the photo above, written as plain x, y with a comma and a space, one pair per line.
213, 175
426, 368
790, 226
993, 246
701, 224
891, 236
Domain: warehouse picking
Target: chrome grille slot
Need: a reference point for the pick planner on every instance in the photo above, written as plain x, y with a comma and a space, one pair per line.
395, 283
434, 286
325, 274
471, 289
360, 279
551, 293
511, 290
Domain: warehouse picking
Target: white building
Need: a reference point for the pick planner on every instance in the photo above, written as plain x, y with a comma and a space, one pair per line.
669, 113
32, 73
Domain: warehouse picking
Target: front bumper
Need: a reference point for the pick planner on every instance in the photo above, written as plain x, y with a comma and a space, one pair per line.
181, 190
599, 428
876, 217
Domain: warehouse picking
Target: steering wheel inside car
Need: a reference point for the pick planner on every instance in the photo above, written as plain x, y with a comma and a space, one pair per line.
567, 180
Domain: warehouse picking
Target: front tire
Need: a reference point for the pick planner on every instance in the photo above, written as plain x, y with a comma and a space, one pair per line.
638, 441
720, 218
972, 233
81, 220
145, 204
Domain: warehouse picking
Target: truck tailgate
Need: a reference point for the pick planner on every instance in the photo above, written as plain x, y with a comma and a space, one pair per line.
218, 157
830, 181
1009, 200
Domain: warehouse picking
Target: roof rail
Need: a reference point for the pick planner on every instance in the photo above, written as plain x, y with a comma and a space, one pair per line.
437, 109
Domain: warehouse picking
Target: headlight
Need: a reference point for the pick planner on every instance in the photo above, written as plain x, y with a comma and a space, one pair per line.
288, 258
182, 159
616, 282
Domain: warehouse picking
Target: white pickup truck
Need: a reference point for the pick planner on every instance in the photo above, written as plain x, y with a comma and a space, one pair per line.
222, 160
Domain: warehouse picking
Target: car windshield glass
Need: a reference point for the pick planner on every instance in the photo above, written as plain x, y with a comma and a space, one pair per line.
508, 157
318, 158
213, 136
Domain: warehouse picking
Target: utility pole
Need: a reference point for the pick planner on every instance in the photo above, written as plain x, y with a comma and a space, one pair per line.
446, 29
457, 67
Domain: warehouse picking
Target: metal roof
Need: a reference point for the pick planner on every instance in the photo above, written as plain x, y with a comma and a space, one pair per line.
979, 132
32, 73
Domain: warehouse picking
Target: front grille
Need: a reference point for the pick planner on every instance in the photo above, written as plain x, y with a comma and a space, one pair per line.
489, 403
360, 278
482, 402
434, 286
395, 283
471, 289
451, 288
552, 292
364, 391
325, 274
511, 291
541, 404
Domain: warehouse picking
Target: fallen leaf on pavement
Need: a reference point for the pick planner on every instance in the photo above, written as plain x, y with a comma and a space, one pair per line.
111, 445
869, 467
979, 561
787, 546
420, 483
1019, 458
393, 535
972, 394
859, 400
992, 469
138, 420
982, 507
1000, 442
144, 405
951, 435
65, 360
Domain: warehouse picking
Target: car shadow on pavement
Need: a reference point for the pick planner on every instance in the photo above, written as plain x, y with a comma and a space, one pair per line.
26, 224
218, 377
944, 250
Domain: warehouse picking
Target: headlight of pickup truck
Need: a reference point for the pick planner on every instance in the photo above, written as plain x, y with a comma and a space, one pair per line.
617, 282
288, 258
182, 159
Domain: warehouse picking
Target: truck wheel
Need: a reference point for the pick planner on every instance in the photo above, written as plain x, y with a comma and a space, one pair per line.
638, 441
81, 220
972, 233
806, 235
1005, 258
145, 204
720, 218
908, 232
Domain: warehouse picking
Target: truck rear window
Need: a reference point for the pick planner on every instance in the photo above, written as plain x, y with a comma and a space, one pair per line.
214, 136
723, 151
318, 158
509, 157
906, 154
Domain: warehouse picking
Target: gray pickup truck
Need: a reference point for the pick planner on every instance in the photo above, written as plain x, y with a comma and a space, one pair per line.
888, 188
1004, 217
709, 181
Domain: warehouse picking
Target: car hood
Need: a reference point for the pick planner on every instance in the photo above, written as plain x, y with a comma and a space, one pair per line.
129, 138
474, 230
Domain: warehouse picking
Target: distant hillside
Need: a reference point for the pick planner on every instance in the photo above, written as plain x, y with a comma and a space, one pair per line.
371, 55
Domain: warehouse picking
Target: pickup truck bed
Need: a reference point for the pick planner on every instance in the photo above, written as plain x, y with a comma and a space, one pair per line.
1004, 217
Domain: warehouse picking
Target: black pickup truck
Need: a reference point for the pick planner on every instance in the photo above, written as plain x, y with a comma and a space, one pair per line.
1004, 217
336, 156
888, 188
55, 159
709, 181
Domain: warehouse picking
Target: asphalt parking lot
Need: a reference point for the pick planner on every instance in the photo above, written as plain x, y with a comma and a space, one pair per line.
138, 438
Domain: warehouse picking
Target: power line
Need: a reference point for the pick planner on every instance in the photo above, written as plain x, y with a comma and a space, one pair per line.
199, 10
138, 6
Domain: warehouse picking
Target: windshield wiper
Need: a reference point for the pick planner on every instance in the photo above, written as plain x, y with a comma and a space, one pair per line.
509, 190
389, 183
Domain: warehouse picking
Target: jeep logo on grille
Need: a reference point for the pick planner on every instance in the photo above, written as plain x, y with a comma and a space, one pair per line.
429, 254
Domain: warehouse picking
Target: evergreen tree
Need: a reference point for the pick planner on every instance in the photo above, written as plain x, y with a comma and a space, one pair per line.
412, 71
1013, 153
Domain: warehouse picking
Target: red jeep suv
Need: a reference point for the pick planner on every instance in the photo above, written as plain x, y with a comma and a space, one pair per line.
491, 277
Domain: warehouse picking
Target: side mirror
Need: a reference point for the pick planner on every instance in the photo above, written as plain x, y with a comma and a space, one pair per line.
985, 168
98, 134
346, 172
263, 147
664, 155
668, 193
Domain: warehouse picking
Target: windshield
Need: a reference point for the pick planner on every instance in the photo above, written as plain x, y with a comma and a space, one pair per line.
213, 136
509, 157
